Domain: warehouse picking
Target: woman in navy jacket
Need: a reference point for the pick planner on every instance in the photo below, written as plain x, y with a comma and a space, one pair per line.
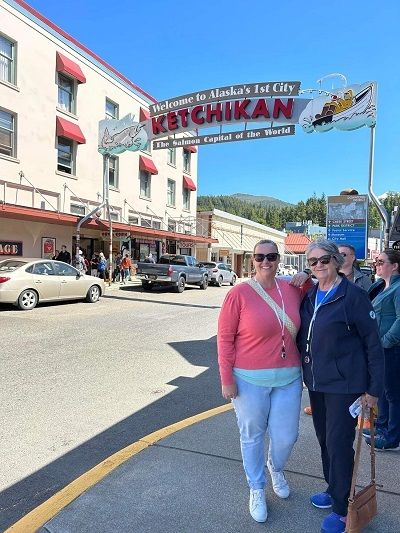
385, 295
342, 359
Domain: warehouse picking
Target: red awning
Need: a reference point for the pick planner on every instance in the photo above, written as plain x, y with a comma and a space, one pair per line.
65, 128
143, 115
190, 148
63, 64
147, 165
188, 183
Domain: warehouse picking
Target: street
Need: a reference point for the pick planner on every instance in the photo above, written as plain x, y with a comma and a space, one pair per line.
81, 381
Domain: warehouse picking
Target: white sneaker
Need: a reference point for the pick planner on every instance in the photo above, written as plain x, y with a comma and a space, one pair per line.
279, 483
258, 505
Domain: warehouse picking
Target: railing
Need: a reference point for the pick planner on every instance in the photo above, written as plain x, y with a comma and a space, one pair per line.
8, 188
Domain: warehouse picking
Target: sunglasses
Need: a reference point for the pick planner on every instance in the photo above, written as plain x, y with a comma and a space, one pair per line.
324, 260
270, 257
380, 262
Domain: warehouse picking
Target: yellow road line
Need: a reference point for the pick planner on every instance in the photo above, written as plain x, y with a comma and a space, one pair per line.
48, 509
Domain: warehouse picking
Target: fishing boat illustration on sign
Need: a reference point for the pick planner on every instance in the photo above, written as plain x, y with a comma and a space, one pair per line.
346, 109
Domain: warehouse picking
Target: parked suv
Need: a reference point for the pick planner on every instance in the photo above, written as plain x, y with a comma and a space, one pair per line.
286, 270
219, 273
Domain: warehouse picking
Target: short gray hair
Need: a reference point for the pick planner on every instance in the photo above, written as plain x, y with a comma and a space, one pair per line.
329, 247
265, 241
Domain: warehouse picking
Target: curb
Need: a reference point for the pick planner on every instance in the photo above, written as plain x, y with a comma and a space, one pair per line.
39, 516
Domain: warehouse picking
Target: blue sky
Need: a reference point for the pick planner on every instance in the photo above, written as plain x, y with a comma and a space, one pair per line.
178, 47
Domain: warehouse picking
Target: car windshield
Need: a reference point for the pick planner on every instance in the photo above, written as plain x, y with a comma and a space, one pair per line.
209, 265
11, 264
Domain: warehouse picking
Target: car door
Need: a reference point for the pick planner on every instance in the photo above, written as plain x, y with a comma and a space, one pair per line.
197, 272
44, 280
72, 285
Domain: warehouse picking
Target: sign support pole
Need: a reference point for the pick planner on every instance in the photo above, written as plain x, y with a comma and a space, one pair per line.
380, 207
106, 198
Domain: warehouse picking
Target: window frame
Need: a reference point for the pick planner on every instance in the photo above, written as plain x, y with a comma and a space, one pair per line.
12, 67
171, 156
73, 156
13, 136
116, 109
73, 84
171, 193
187, 160
142, 175
116, 172
186, 204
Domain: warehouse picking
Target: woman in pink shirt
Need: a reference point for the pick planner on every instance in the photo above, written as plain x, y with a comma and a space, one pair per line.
260, 369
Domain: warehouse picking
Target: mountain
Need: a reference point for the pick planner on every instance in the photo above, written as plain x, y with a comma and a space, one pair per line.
262, 200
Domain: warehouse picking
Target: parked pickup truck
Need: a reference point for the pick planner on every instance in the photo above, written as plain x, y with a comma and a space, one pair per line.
174, 270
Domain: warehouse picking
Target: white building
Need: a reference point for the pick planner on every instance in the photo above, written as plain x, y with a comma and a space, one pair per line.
53, 92
236, 238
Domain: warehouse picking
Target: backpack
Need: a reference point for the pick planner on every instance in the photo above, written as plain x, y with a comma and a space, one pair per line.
101, 266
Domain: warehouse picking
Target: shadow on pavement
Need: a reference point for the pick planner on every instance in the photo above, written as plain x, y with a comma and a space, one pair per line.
161, 302
192, 396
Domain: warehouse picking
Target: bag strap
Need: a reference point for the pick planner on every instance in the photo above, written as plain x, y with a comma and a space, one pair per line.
358, 451
290, 326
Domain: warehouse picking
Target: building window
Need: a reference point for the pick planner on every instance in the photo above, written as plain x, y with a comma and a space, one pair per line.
113, 172
186, 198
65, 156
133, 220
7, 133
66, 93
186, 160
111, 110
7, 60
156, 224
145, 184
171, 225
171, 193
114, 216
145, 222
171, 156
77, 209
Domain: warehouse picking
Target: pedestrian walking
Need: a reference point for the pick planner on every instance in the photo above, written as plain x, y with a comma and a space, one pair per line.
80, 263
260, 370
101, 265
126, 265
342, 360
117, 268
64, 255
385, 295
93, 265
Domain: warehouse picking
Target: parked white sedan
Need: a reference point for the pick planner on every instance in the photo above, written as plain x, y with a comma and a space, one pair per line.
219, 273
26, 282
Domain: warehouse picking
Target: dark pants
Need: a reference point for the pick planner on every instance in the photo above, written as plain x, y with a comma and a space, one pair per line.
389, 403
335, 430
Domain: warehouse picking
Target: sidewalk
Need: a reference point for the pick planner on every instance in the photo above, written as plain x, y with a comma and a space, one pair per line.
193, 482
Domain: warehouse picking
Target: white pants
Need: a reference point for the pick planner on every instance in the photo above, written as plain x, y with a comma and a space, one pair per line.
258, 409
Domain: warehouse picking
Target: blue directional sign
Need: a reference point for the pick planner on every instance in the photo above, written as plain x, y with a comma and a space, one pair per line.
347, 222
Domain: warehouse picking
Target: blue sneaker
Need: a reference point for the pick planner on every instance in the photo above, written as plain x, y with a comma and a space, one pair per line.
382, 445
322, 500
333, 523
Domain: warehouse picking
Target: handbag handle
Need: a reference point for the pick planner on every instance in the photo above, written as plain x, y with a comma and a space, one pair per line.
358, 451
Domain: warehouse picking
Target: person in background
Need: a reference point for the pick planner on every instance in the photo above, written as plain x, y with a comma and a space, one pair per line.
93, 265
349, 267
101, 265
350, 270
64, 255
260, 370
80, 263
342, 359
385, 295
150, 258
126, 265
56, 255
117, 269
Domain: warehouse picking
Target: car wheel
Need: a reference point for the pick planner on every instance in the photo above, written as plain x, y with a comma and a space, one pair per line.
219, 281
181, 284
147, 286
233, 280
93, 294
27, 300
204, 283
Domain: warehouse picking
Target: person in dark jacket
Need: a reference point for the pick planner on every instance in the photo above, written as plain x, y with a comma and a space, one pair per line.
350, 269
64, 255
342, 360
385, 294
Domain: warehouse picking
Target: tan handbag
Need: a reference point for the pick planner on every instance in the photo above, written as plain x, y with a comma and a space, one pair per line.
362, 505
